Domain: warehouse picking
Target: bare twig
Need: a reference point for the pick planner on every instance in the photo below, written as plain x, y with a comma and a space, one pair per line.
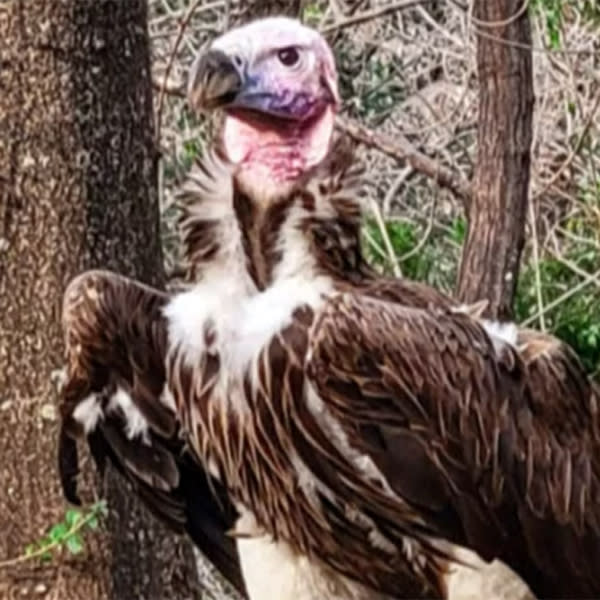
376, 210
402, 176
504, 22
571, 265
378, 249
182, 27
170, 87
401, 149
425, 235
573, 152
589, 279
530, 47
369, 15
536, 265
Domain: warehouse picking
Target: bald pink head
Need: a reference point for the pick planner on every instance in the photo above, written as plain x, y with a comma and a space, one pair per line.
276, 81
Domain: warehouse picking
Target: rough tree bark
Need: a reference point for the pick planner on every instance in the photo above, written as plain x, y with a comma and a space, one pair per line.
77, 190
497, 212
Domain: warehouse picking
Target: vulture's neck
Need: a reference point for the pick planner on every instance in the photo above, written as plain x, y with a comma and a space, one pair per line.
305, 228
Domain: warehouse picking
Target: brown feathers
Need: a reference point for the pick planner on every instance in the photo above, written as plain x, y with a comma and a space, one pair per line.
368, 423
116, 344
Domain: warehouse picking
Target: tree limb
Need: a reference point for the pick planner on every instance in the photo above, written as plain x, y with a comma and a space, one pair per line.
401, 149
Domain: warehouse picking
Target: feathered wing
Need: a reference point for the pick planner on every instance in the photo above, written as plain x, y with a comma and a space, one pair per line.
116, 344
562, 396
447, 417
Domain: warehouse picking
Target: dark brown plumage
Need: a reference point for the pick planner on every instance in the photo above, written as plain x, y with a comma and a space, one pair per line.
500, 461
360, 425
488, 445
115, 335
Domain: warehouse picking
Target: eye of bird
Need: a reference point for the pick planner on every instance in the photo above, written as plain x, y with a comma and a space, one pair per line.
288, 56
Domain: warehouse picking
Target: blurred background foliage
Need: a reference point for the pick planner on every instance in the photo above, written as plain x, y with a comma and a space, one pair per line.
412, 71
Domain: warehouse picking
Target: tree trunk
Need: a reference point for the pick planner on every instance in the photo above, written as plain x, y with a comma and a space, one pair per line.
77, 190
497, 212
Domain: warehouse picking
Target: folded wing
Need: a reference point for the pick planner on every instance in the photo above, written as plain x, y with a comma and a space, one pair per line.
446, 413
115, 395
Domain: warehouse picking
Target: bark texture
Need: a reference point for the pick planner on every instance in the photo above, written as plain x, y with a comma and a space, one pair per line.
77, 190
497, 212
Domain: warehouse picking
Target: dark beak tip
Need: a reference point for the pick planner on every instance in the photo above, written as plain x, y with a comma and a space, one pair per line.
214, 81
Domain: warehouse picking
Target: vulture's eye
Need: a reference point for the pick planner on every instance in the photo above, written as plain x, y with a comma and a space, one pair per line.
288, 56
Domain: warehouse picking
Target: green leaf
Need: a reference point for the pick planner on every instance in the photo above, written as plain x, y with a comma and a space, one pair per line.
92, 522
29, 549
312, 13
74, 544
100, 508
458, 230
72, 517
58, 532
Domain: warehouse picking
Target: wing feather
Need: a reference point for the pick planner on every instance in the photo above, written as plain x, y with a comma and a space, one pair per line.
449, 419
116, 344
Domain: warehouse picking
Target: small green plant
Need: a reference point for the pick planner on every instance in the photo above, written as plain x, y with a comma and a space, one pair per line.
433, 261
551, 10
576, 320
370, 86
68, 534
573, 318
313, 13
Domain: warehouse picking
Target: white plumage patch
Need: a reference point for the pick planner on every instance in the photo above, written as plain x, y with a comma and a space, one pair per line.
88, 412
267, 313
135, 423
501, 333
242, 322
167, 398
273, 570
474, 579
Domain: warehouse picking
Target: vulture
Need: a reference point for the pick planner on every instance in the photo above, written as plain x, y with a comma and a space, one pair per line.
319, 430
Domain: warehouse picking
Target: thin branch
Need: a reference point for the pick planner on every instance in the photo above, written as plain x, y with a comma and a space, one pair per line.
182, 27
503, 22
170, 87
536, 265
530, 47
577, 238
425, 235
376, 209
401, 149
571, 265
589, 279
574, 152
369, 15
403, 175
373, 244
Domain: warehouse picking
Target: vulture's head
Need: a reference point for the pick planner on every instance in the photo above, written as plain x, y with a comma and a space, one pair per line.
275, 79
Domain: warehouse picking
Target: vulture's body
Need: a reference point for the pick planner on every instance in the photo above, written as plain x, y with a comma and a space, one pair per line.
354, 428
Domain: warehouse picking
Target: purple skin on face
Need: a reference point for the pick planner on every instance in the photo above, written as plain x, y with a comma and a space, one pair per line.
282, 102
301, 106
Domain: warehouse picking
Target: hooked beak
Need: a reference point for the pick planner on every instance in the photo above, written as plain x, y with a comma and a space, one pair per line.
217, 80
214, 81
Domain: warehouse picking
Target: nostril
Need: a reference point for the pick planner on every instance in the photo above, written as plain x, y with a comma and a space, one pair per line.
237, 61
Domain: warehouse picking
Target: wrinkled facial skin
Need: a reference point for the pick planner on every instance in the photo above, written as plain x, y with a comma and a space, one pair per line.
275, 79
275, 67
